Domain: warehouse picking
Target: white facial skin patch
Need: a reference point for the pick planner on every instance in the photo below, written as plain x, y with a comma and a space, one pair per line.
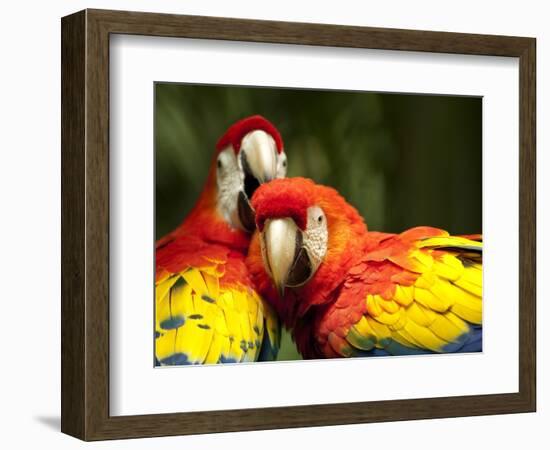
281, 165
229, 177
315, 237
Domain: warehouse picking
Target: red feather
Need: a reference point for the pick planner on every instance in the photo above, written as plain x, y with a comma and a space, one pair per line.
280, 199
236, 132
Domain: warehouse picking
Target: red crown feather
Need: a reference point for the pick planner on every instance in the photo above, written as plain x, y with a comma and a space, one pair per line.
285, 197
236, 132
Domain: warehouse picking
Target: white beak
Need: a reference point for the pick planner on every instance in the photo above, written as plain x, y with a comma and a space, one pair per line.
279, 238
260, 156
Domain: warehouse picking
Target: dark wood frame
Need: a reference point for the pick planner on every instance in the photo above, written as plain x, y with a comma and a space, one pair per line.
85, 224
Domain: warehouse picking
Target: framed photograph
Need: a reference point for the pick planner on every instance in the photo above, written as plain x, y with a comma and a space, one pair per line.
273, 225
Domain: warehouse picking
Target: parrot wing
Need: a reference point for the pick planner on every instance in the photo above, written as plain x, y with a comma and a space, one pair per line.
421, 292
206, 311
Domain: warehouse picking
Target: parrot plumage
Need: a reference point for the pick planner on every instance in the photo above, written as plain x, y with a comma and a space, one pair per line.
345, 291
207, 310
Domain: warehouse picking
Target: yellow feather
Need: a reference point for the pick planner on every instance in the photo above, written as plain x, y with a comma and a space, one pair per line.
387, 318
468, 286
424, 258
381, 331
373, 308
449, 330
426, 280
259, 324
225, 347
215, 322
445, 291
195, 280
253, 319
240, 302
425, 336
220, 325
162, 288
231, 318
272, 325
235, 350
419, 314
472, 316
246, 330
471, 280
466, 299
212, 284
229, 325
429, 300
193, 340
182, 301
389, 306
215, 350
402, 337
454, 319
448, 266
252, 305
404, 295
364, 329
162, 311
400, 323
451, 241
164, 345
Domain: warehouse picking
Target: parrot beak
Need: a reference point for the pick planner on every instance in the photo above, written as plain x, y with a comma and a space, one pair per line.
286, 260
259, 163
259, 160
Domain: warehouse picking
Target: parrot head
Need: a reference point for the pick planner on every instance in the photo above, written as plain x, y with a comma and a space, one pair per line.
307, 234
248, 154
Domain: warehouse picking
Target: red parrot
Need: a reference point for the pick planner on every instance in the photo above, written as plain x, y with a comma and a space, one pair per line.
345, 291
207, 310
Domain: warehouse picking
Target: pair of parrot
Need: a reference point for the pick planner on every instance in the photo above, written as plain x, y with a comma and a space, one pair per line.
259, 249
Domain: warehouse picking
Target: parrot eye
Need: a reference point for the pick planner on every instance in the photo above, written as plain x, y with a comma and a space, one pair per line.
284, 163
220, 164
316, 218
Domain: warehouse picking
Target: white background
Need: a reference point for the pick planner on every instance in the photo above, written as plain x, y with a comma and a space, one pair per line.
30, 172
137, 388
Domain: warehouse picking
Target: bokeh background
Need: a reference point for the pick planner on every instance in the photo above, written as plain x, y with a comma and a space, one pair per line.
402, 160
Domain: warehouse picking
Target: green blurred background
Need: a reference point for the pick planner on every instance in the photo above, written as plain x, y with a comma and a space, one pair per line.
402, 160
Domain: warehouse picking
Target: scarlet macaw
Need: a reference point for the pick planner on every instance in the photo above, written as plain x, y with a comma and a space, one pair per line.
207, 310
345, 291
